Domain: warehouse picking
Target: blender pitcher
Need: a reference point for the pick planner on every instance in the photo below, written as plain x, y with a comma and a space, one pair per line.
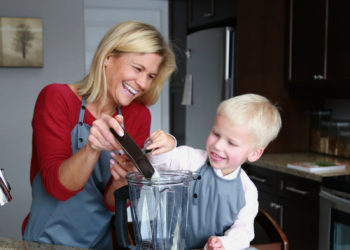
158, 208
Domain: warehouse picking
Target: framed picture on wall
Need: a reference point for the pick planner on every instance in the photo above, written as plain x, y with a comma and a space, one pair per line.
21, 42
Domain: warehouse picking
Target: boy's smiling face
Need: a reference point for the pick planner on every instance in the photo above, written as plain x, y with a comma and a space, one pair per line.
230, 146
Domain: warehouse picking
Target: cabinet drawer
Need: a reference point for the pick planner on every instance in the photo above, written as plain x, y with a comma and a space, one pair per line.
264, 179
299, 189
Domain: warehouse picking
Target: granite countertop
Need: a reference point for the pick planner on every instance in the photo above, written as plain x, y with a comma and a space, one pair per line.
278, 162
9, 244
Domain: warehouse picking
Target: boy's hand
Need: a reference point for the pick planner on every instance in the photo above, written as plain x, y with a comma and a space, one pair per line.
214, 243
160, 142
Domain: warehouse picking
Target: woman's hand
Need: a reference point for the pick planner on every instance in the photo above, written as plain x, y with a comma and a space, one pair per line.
160, 142
214, 243
101, 138
76, 170
120, 166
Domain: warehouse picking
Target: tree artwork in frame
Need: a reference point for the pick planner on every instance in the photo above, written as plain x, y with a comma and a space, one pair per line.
21, 42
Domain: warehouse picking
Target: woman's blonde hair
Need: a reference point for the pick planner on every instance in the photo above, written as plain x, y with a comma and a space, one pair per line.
256, 112
128, 37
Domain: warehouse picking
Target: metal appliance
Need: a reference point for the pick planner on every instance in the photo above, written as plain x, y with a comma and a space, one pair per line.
5, 189
135, 154
210, 79
334, 218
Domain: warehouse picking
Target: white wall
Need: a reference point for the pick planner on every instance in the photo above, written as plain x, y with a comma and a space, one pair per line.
63, 42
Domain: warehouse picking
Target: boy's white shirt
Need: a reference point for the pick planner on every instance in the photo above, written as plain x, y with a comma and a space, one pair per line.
241, 233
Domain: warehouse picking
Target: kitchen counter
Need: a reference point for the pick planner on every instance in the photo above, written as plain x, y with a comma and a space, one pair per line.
9, 244
278, 162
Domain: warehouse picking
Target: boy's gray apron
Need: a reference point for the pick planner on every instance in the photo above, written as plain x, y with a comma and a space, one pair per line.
83, 220
213, 206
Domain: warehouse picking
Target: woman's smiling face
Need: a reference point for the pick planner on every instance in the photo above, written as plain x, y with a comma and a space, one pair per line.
130, 75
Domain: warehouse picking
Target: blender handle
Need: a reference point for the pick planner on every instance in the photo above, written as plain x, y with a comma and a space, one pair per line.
121, 217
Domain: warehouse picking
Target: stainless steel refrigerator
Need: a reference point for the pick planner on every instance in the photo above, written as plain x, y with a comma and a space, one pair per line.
209, 80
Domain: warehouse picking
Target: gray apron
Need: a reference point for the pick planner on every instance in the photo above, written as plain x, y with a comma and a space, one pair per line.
214, 204
83, 220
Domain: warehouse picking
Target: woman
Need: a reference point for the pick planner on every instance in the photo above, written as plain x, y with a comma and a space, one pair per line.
70, 174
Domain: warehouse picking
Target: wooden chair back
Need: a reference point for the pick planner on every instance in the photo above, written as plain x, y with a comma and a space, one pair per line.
268, 234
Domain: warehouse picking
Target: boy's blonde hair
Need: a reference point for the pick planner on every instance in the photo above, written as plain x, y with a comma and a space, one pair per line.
255, 111
128, 37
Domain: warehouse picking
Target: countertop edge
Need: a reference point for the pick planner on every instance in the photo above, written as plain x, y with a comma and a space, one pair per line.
278, 162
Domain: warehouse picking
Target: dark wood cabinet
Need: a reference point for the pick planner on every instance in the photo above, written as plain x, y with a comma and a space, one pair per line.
338, 53
292, 201
319, 46
307, 40
209, 12
300, 223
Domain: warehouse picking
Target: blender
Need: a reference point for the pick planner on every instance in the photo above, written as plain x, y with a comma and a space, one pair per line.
158, 209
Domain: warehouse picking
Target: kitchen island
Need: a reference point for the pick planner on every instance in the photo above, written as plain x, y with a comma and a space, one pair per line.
12, 244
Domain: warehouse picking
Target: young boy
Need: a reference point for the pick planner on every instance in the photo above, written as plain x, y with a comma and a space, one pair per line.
223, 201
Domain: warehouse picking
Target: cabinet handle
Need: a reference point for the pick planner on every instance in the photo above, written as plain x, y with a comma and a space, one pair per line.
275, 205
188, 53
212, 10
295, 190
318, 77
208, 14
280, 208
255, 178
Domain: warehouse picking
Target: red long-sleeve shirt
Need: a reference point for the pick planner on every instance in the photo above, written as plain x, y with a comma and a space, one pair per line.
55, 115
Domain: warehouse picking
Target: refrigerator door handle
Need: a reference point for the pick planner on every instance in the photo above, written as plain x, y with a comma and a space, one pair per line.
188, 53
227, 54
228, 88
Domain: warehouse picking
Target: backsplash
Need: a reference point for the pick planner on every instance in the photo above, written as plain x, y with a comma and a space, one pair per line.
330, 129
340, 109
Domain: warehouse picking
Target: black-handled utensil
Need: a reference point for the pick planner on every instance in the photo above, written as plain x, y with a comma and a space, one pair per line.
135, 154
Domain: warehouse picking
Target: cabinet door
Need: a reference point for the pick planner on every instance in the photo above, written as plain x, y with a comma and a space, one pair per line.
300, 223
272, 205
299, 198
307, 23
338, 63
298, 219
207, 12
